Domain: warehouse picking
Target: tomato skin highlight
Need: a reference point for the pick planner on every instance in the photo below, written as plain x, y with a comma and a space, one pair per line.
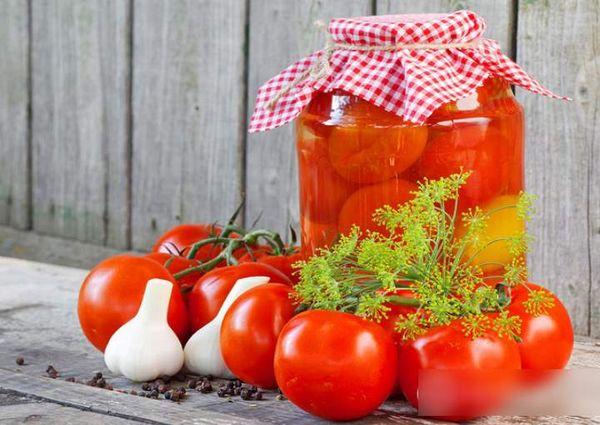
111, 295
335, 365
547, 339
360, 206
209, 292
448, 348
250, 329
178, 240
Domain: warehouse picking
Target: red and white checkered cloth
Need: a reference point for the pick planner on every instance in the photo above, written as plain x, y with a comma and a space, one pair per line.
409, 82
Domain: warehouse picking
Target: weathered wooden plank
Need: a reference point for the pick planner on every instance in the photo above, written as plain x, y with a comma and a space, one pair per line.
587, 95
80, 89
281, 32
110, 402
28, 410
14, 104
50, 249
559, 43
498, 14
188, 113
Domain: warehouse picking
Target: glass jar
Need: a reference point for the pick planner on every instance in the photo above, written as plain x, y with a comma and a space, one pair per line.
355, 157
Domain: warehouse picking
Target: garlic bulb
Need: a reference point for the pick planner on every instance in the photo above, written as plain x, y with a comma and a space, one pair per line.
146, 347
203, 350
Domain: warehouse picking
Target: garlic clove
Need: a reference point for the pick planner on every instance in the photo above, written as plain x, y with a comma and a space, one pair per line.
146, 347
203, 350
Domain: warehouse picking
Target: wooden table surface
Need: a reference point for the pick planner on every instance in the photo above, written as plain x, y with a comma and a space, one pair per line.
38, 321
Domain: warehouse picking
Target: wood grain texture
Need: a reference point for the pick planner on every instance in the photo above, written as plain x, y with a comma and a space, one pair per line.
50, 249
587, 95
29, 328
281, 32
560, 45
80, 77
33, 411
498, 14
14, 104
188, 113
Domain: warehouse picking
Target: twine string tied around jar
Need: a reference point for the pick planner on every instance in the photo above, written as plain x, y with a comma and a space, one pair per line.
321, 68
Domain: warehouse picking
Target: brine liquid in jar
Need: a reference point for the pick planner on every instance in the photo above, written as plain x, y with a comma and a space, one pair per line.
355, 157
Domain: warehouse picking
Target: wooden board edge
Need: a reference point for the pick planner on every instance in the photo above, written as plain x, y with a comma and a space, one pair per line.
50, 249
110, 403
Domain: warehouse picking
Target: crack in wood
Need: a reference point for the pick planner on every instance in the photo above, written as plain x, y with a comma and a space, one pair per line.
7, 312
82, 408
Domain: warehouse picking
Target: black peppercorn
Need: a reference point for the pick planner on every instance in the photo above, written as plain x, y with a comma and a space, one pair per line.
205, 387
258, 396
245, 394
20, 361
52, 372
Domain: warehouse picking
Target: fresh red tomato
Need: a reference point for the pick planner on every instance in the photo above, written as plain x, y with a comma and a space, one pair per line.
373, 145
448, 348
250, 329
111, 295
469, 146
178, 240
283, 263
361, 205
175, 264
207, 295
335, 365
547, 338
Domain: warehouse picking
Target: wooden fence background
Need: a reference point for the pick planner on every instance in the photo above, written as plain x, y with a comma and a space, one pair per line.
121, 118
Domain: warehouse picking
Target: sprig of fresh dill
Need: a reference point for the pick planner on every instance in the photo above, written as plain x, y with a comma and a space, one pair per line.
421, 253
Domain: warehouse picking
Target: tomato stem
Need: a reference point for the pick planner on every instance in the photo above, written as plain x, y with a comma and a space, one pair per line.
230, 244
409, 302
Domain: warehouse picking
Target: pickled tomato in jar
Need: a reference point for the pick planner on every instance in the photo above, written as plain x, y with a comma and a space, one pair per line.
395, 100
355, 158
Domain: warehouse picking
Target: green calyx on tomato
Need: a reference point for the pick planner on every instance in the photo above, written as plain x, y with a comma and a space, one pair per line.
421, 250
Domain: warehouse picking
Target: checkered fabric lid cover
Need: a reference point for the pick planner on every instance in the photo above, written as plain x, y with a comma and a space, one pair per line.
395, 69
